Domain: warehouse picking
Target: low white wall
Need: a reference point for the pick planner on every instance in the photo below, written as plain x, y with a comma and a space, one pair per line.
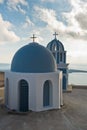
35, 82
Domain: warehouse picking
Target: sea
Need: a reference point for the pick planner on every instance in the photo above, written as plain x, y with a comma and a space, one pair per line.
76, 78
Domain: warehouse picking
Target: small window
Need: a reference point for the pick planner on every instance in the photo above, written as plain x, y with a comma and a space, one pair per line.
54, 47
60, 56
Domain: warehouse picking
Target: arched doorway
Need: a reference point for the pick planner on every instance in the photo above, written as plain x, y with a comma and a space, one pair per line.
47, 93
23, 95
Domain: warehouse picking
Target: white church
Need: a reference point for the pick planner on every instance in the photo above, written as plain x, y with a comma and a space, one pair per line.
34, 81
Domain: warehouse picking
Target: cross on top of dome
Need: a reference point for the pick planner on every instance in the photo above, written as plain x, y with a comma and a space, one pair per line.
55, 34
33, 37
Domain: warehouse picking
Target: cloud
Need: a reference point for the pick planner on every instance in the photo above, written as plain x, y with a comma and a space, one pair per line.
1, 1
81, 17
49, 1
21, 10
28, 22
6, 34
76, 20
49, 17
16, 2
16, 5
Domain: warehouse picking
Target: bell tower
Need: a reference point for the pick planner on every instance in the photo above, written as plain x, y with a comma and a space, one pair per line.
59, 53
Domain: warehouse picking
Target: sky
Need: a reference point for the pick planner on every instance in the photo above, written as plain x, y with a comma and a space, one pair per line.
20, 19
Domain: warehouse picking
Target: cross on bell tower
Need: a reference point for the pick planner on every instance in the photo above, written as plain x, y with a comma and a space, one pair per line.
33, 37
55, 34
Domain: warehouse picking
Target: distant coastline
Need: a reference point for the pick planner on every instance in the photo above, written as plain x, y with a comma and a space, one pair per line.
6, 66
77, 71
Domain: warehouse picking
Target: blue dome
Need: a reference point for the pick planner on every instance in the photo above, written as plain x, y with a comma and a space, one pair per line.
55, 44
33, 58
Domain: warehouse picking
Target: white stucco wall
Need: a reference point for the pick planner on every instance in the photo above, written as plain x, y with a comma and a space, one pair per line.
35, 82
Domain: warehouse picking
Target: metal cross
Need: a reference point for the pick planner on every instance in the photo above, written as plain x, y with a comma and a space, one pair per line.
55, 34
33, 37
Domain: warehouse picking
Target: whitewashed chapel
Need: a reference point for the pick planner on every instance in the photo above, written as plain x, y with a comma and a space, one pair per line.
33, 82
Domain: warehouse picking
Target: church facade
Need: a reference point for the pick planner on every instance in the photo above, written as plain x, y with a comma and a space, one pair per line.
33, 82
59, 53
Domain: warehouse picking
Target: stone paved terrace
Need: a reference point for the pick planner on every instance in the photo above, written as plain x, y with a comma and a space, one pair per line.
73, 116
